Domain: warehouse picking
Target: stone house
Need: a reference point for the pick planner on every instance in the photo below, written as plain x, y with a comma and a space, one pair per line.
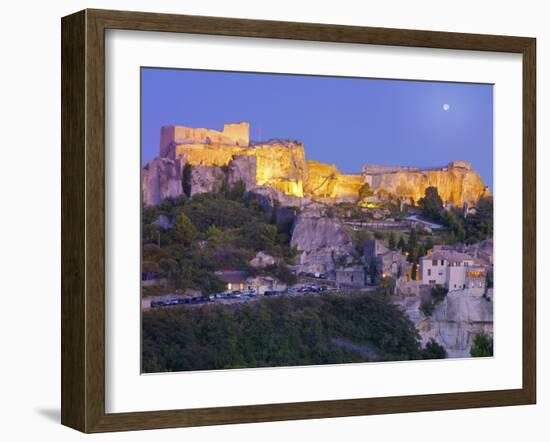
350, 277
233, 279
453, 270
388, 262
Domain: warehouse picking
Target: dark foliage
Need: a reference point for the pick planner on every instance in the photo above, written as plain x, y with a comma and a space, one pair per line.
431, 203
482, 346
278, 332
433, 350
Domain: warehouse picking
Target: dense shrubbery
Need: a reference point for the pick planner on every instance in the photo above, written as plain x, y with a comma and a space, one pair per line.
438, 294
280, 331
207, 233
474, 228
482, 346
433, 350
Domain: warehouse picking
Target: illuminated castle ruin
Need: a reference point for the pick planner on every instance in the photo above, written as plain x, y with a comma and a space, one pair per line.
229, 155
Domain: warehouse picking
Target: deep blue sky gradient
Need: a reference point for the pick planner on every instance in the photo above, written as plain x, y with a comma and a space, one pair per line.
344, 121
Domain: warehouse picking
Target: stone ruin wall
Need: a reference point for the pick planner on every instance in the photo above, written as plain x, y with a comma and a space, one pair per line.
325, 181
282, 165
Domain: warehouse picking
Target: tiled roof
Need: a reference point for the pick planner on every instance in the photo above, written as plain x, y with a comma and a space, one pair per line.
448, 255
232, 276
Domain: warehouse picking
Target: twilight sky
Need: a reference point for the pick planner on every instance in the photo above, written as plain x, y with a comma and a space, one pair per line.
344, 121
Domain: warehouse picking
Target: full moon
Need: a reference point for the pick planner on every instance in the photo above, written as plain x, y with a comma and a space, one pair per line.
446, 107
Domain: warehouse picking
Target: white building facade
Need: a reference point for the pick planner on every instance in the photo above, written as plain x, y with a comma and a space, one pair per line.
453, 270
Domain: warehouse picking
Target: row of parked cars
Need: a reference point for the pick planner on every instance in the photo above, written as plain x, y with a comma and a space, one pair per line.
235, 294
239, 294
308, 288
179, 301
314, 275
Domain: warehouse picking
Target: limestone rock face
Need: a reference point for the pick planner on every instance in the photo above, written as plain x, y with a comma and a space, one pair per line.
319, 240
160, 179
278, 164
262, 260
242, 168
206, 179
281, 165
456, 184
454, 322
325, 181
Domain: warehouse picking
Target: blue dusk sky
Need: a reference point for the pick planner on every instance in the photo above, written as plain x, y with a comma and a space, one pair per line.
344, 121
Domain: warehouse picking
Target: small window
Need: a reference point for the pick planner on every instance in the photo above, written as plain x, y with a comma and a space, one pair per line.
429, 272
442, 262
434, 262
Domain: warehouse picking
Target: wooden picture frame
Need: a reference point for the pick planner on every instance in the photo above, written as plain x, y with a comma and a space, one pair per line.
83, 220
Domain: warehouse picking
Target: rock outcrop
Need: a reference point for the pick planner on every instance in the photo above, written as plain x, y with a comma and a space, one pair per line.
160, 179
319, 240
325, 181
454, 183
454, 322
206, 179
242, 168
282, 166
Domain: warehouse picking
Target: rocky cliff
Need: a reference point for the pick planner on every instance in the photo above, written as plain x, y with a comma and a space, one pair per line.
454, 322
455, 184
160, 179
325, 181
282, 165
319, 240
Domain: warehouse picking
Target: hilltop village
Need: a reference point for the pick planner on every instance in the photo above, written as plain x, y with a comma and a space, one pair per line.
228, 220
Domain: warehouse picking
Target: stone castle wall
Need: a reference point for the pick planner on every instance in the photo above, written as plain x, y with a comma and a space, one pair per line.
282, 165
232, 135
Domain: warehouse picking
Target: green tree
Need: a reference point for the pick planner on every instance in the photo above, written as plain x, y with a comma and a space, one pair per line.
431, 203
391, 241
433, 350
359, 238
401, 244
427, 307
237, 191
185, 229
186, 179
455, 224
482, 346
387, 284
438, 293
282, 273
413, 240
480, 225
373, 271
414, 271
365, 191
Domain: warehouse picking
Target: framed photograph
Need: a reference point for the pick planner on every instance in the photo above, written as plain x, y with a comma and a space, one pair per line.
267, 221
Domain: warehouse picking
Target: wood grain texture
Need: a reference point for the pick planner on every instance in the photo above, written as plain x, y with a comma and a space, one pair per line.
73, 256
83, 220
